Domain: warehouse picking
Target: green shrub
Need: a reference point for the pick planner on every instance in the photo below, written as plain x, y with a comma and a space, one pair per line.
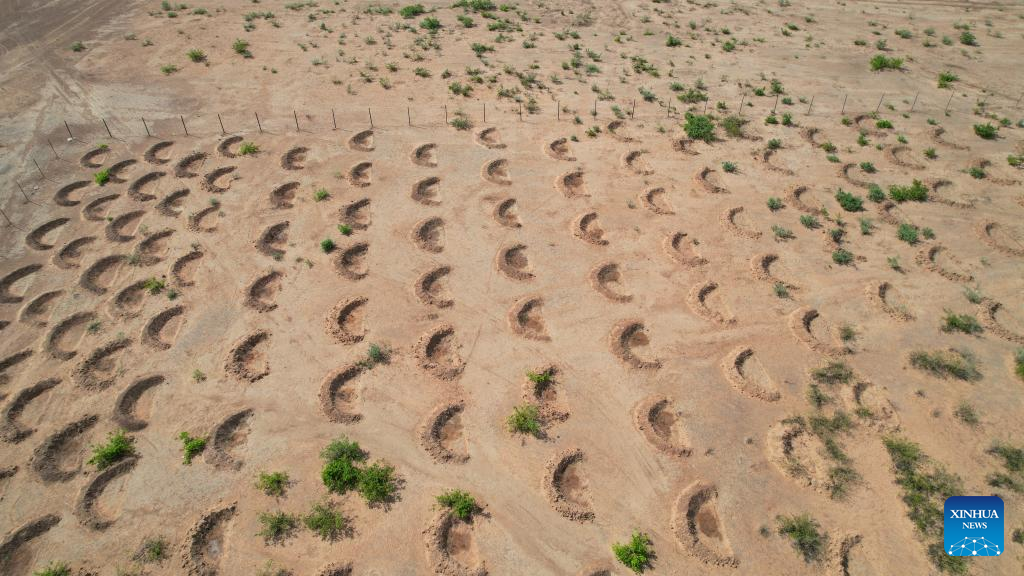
947, 78
803, 531
248, 149
965, 323
340, 476
833, 373
321, 194
153, 550
327, 245
699, 127
868, 167
272, 483
466, 21
733, 126
196, 55
412, 11
432, 24
343, 449
809, 221
672, 41
930, 153
959, 364
101, 177
916, 192
241, 47
966, 413
636, 554
883, 124
118, 446
1018, 363
461, 503
461, 123
907, 233
967, 38
168, 69
976, 172
191, 446
782, 233
875, 193
986, 131
345, 229
326, 522
525, 419
775, 204
276, 526
729, 167
842, 257
780, 290
377, 483
883, 62
54, 568
774, 144
77, 46
849, 202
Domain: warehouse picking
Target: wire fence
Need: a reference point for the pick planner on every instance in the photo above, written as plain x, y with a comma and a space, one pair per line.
37, 165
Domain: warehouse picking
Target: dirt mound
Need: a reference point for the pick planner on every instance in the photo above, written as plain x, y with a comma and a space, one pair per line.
635, 162
489, 138
247, 359
844, 173
100, 275
70, 255
747, 375
513, 263
893, 153
115, 231
935, 184
21, 536
37, 312
703, 181
183, 269
450, 547
425, 155
361, 175
219, 180
283, 196
442, 435
428, 235
362, 142
765, 157
345, 322
203, 545
505, 213
685, 146
728, 220
336, 569
11, 361
794, 198
232, 432
800, 325
273, 241
987, 310
659, 423
697, 526
127, 411
571, 184
938, 139
927, 258
128, 302
586, 228
66, 327
682, 250
152, 155
152, 332
116, 169
294, 159
496, 172
760, 268
12, 278
437, 352
85, 508
1007, 245
655, 200
878, 294
431, 290
63, 195
798, 454
625, 338
811, 136
94, 158
197, 221
184, 167
150, 251
697, 299
606, 278
136, 189
225, 146
337, 396
566, 487
545, 395
11, 431
170, 205
102, 367
427, 191
559, 150
48, 458
351, 261
524, 318
261, 294
96, 210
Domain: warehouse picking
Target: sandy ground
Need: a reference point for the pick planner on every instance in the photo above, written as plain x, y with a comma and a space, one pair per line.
628, 259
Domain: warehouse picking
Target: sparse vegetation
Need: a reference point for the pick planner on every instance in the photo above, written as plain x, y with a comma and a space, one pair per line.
849, 202
276, 526
916, 192
966, 413
525, 419
803, 531
272, 483
101, 177
326, 522
986, 131
461, 503
117, 447
965, 323
54, 568
882, 62
699, 127
191, 446
635, 554
959, 364
248, 149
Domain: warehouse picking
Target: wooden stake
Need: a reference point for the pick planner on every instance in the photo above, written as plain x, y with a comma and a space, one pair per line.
222, 130
146, 126
38, 168
558, 110
774, 106
296, 116
333, 119
809, 106
9, 223
109, 135
54, 150
843, 111
183, 124
408, 115
485, 112
742, 98
446, 114
520, 111
370, 114
947, 104
705, 104
68, 129
632, 111
258, 125
879, 102
22, 190
915, 101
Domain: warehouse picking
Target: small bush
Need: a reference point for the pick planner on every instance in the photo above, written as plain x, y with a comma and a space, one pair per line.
248, 149
672, 41
340, 476
883, 124
883, 62
343, 449
809, 221
327, 245
986, 131
916, 192
461, 503
272, 483
775, 204
959, 364
774, 144
782, 233
77, 46
842, 257
733, 126
965, 323
966, 413
118, 446
412, 11
849, 202
321, 194
276, 526
699, 127
101, 177
345, 229
780, 290
729, 167
868, 167
907, 233
168, 69
326, 522
196, 55
833, 373
525, 419
192, 446
636, 554
875, 193
803, 531
377, 483
947, 78
1018, 363
431, 24
54, 569
967, 38
461, 123
930, 153
241, 47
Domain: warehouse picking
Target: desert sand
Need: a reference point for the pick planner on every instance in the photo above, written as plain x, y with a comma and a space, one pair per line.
359, 224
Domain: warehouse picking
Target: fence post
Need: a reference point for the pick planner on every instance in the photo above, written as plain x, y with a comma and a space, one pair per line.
20, 187
222, 130
69, 130
370, 114
843, 111
915, 101
38, 168
879, 103
632, 110
946, 111
296, 116
776, 105
706, 99
558, 110
408, 115
183, 124
446, 114
742, 98
146, 126
595, 107
258, 125
54, 150
485, 112
334, 120
109, 135
520, 111
9, 223
809, 106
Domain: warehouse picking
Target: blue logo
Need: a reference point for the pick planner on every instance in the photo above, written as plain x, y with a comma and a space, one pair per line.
974, 526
